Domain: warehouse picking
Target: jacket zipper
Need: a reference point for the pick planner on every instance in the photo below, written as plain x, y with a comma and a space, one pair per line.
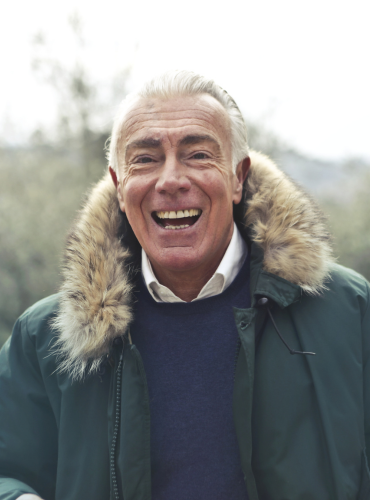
116, 428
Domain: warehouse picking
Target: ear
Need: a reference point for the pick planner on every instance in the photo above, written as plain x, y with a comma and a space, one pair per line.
114, 176
118, 188
239, 178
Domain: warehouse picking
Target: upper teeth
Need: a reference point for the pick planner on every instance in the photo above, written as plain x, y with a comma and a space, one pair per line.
179, 214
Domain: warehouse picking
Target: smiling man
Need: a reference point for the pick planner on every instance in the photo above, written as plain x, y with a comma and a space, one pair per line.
203, 345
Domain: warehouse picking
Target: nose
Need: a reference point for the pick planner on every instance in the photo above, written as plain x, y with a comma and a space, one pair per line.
172, 177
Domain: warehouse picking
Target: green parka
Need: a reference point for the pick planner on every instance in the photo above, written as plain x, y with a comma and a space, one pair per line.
74, 409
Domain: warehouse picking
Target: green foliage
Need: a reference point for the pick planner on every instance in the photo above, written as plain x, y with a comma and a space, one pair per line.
42, 188
349, 220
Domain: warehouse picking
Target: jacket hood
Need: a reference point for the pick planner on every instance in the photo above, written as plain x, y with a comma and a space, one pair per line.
96, 295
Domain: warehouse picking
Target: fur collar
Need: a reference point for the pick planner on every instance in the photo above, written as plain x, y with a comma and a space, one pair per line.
97, 289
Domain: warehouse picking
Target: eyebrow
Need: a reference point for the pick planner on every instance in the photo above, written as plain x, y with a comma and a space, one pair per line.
196, 139
148, 142
143, 143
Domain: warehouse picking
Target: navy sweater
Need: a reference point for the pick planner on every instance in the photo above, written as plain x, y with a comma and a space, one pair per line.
189, 352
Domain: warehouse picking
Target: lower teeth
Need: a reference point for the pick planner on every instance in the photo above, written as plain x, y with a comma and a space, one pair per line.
177, 227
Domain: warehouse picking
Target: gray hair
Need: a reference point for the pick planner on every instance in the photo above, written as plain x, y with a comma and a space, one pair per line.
183, 83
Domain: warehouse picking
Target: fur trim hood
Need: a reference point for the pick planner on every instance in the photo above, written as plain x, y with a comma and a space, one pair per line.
96, 296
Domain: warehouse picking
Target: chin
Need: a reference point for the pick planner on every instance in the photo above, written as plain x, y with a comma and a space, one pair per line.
177, 259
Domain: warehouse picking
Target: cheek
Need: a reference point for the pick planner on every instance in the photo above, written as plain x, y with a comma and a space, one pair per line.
133, 195
217, 186
137, 193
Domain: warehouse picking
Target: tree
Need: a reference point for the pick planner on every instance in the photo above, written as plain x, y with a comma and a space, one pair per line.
43, 182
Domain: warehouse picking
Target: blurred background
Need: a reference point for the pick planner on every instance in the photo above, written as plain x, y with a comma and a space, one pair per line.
299, 71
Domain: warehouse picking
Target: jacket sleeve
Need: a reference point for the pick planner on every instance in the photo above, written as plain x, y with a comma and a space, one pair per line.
28, 431
366, 371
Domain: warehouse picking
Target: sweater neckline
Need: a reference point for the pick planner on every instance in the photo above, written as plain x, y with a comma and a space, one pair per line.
199, 306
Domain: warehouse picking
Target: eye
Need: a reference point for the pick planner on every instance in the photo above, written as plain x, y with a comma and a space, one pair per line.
144, 159
200, 156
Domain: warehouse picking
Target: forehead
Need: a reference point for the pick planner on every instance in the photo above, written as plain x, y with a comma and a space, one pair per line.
176, 116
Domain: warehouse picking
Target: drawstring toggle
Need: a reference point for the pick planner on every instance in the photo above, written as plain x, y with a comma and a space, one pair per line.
264, 302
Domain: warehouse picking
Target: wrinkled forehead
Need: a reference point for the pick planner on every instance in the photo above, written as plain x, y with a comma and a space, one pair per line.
175, 116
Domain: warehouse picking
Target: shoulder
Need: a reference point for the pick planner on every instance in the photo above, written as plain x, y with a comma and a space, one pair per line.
44, 307
348, 279
30, 342
346, 286
345, 297
34, 323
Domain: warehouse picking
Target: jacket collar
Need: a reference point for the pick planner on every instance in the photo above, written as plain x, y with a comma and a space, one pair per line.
291, 254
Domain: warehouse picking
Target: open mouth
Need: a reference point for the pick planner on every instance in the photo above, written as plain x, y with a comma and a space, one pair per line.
180, 219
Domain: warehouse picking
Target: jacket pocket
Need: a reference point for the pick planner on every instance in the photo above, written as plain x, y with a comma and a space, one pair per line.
364, 492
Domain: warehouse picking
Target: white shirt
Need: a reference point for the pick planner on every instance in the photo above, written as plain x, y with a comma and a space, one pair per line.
229, 267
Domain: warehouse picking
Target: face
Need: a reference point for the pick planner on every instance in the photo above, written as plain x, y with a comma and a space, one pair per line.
175, 181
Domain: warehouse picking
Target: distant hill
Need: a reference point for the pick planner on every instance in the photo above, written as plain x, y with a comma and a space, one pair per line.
323, 179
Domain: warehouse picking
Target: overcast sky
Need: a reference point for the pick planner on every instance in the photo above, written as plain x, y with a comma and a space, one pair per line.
299, 67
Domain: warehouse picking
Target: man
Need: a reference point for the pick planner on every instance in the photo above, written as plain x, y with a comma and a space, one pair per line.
163, 369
